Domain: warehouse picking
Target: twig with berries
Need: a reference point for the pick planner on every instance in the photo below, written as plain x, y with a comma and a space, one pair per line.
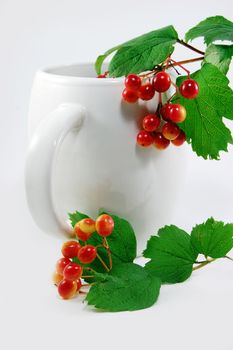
69, 274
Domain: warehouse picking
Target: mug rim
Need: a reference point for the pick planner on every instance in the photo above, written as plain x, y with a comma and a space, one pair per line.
51, 73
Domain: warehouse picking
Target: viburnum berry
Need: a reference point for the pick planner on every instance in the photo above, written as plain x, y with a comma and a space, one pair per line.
164, 111
160, 142
144, 138
189, 89
170, 131
177, 113
73, 271
87, 254
67, 288
70, 249
146, 92
57, 278
61, 264
87, 225
132, 82
104, 225
101, 76
129, 96
180, 139
162, 81
81, 235
151, 122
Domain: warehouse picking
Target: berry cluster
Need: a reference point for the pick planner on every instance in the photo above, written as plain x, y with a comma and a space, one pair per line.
69, 274
160, 128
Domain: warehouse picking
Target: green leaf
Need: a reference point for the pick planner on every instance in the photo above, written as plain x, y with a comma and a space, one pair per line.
100, 59
212, 28
171, 253
76, 217
213, 238
144, 52
127, 287
220, 56
204, 126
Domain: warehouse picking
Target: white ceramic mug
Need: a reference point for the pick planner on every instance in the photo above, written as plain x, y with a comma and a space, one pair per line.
83, 154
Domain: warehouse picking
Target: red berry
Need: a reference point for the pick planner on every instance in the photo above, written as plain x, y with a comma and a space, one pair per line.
164, 111
177, 113
160, 142
61, 264
87, 254
129, 96
180, 139
79, 284
144, 138
146, 92
170, 131
73, 271
162, 81
101, 76
83, 236
189, 89
87, 225
70, 249
104, 225
57, 278
132, 82
67, 289
151, 122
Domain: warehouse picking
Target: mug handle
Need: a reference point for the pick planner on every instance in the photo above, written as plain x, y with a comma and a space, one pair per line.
40, 160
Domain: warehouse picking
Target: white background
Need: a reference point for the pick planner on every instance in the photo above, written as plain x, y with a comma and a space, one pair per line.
193, 315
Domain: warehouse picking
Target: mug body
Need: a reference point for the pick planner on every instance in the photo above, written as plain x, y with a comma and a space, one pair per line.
100, 167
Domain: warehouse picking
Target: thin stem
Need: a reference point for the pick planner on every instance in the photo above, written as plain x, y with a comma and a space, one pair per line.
186, 70
182, 42
109, 252
202, 264
88, 284
103, 263
228, 257
171, 65
87, 276
88, 268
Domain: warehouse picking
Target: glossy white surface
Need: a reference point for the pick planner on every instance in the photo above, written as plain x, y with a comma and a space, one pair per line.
95, 164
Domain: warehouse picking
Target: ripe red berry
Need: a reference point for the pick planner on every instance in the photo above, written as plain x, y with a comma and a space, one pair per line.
132, 82
73, 271
180, 139
170, 131
162, 82
67, 289
144, 138
101, 76
104, 225
151, 122
189, 89
61, 264
129, 96
164, 111
83, 236
87, 225
177, 113
160, 142
70, 249
146, 92
87, 254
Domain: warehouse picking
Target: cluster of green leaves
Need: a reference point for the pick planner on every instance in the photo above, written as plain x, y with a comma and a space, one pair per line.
172, 253
204, 125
